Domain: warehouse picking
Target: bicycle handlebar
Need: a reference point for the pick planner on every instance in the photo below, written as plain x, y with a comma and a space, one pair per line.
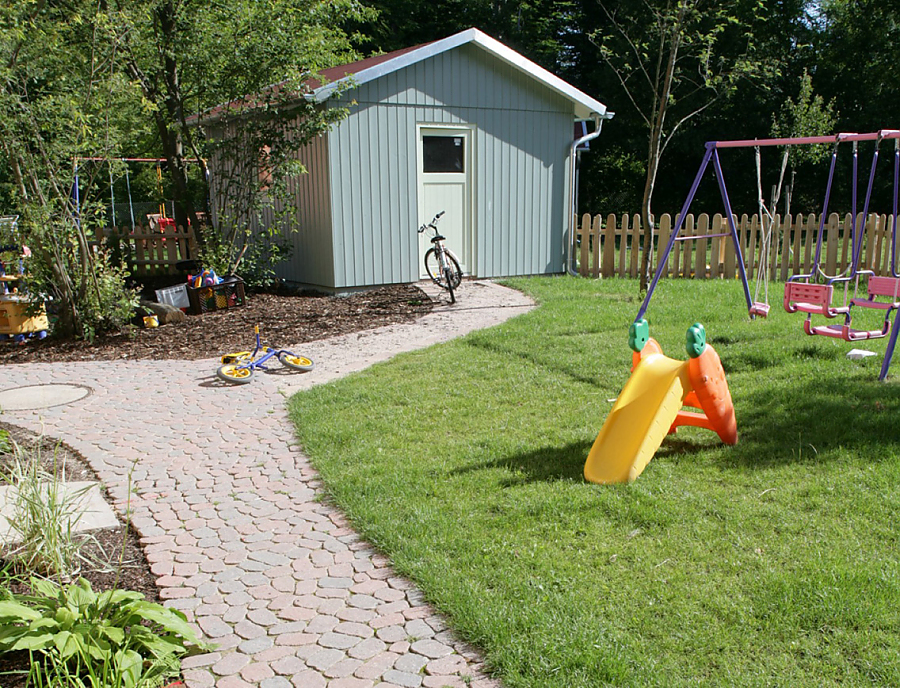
431, 224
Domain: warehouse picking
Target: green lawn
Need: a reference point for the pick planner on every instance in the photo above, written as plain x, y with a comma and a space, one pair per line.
774, 562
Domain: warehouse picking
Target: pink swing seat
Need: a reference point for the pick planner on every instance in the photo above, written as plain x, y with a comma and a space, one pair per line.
811, 298
876, 286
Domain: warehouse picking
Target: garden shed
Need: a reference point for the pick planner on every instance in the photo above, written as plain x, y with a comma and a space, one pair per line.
465, 125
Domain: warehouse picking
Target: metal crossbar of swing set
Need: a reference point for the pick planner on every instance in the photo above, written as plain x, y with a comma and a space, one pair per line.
820, 292
884, 134
702, 236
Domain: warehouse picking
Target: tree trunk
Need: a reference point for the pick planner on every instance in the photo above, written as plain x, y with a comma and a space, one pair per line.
656, 143
170, 128
647, 221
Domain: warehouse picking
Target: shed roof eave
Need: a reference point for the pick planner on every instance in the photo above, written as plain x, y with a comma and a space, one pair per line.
585, 106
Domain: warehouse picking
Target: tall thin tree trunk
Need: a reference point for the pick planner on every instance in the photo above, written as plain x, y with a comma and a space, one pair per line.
657, 130
647, 220
171, 135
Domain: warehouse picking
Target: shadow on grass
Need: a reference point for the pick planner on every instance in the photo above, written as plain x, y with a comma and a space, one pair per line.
809, 420
534, 360
547, 464
673, 445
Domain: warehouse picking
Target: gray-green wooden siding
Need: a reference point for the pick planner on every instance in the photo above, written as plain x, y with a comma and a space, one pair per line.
365, 233
312, 260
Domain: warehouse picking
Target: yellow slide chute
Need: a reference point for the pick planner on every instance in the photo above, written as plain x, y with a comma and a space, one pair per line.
650, 406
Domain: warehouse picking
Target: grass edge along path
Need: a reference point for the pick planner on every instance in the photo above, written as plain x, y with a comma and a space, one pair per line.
771, 562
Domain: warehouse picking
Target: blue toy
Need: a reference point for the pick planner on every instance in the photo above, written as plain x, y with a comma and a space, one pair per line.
238, 368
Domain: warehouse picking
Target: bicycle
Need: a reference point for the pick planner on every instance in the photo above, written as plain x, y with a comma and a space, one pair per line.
238, 367
440, 263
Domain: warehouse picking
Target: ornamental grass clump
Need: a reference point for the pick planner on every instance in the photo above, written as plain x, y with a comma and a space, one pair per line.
44, 516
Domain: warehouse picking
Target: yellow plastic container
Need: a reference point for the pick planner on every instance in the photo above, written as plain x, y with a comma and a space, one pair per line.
15, 320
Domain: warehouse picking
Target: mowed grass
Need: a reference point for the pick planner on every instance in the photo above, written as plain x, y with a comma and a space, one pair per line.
773, 562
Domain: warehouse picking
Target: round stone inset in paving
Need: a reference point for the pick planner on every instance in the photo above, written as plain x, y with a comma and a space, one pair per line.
34, 397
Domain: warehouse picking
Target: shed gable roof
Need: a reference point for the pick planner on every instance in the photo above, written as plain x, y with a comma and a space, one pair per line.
369, 69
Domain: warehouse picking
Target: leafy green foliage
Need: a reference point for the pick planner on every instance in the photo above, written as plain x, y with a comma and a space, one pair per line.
683, 58
56, 103
254, 255
255, 147
808, 115
857, 45
78, 80
542, 30
114, 639
249, 61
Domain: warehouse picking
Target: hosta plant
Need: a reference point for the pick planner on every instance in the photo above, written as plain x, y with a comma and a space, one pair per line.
78, 637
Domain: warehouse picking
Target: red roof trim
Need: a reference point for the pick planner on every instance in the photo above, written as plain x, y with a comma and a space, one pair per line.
351, 68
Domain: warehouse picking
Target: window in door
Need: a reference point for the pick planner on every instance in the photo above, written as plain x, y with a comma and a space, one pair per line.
441, 154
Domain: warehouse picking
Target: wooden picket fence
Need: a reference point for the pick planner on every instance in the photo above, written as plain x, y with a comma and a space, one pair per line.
612, 248
152, 250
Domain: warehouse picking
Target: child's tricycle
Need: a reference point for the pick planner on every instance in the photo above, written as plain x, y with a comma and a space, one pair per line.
238, 368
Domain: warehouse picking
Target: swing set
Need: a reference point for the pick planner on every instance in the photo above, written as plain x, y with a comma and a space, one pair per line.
160, 221
812, 293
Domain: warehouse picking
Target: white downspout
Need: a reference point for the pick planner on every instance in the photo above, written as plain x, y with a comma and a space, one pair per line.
598, 125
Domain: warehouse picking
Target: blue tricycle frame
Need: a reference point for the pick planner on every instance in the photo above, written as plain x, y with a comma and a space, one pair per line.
238, 368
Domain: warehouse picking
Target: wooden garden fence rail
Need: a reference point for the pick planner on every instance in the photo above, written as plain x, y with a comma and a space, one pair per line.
611, 248
149, 251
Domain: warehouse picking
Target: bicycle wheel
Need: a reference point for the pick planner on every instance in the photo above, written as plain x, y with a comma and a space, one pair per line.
433, 268
448, 278
436, 271
301, 363
235, 374
455, 271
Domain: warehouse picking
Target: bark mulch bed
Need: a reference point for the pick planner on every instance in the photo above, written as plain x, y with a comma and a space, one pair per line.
284, 321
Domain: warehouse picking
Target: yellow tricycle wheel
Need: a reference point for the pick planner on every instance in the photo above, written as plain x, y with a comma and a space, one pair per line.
235, 374
296, 362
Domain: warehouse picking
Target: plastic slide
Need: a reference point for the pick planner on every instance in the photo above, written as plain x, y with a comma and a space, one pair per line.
639, 421
650, 406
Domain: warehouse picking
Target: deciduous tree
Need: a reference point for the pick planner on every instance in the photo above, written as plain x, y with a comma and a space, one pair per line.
60, 95
190, 55
673, 59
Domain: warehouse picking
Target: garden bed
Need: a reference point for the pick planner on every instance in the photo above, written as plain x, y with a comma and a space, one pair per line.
111, 544
284, 321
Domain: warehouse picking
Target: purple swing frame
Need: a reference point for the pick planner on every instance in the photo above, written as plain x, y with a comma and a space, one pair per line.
754, 309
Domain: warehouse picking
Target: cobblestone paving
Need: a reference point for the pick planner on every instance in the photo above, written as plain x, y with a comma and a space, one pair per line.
228, 509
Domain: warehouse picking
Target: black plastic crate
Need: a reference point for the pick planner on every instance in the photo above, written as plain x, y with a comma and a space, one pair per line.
227, 294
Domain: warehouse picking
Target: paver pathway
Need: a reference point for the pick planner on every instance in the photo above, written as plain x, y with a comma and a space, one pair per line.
228, 509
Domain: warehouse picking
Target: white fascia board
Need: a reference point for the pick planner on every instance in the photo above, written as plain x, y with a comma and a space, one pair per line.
585, 106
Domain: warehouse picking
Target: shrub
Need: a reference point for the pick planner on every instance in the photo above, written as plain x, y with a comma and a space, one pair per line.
253, 257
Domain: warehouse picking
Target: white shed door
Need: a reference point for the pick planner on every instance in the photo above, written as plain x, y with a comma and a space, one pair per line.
445, 162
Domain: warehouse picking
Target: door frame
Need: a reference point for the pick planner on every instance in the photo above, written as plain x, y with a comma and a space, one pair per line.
468, 131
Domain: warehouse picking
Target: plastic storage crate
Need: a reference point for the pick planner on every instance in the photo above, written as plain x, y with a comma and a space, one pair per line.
227, 294
174, 296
